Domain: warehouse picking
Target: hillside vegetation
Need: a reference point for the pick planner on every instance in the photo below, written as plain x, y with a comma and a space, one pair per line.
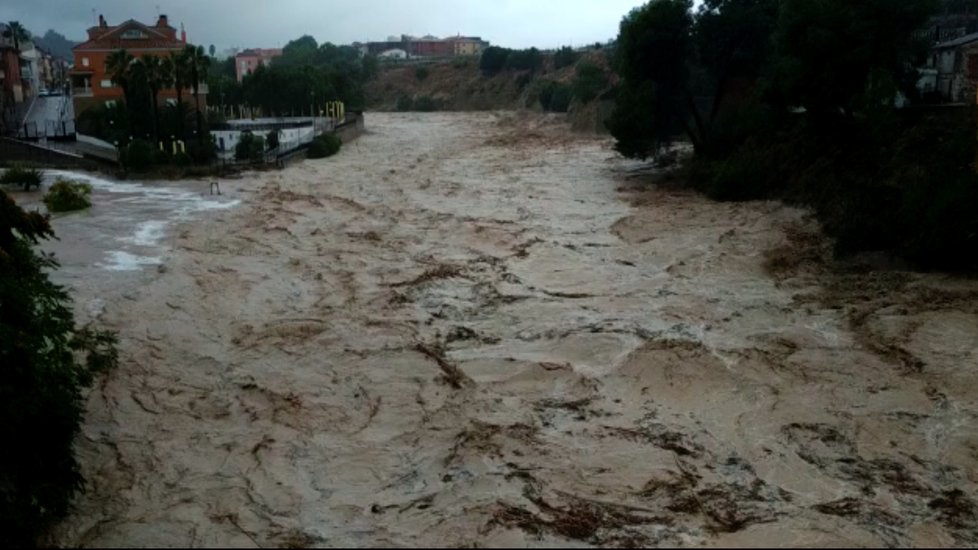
578, 83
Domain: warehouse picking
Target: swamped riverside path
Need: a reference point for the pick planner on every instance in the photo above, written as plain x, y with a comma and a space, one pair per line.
484, 329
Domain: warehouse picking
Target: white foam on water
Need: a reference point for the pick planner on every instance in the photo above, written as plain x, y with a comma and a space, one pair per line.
177, 205
148, 233
119, 260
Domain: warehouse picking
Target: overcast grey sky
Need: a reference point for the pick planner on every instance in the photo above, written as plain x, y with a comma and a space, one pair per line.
272, 23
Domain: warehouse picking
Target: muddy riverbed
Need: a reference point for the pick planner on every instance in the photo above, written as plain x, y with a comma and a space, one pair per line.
479, 329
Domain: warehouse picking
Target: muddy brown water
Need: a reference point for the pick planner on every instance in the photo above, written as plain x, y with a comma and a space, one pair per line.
481, 329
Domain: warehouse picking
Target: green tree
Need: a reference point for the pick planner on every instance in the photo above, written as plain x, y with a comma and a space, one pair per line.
198, 66
301, 51
589, 81
47, 362
565, 57
840, 57
16, 32
117, 67
493, 60
178, 68
654, 47
157, 78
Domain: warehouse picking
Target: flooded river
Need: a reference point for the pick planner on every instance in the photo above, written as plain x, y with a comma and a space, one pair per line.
481, 329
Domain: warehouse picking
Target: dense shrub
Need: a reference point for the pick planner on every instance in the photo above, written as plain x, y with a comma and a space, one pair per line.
565, 57
555, 97
66, 195
22, 176
589, 81
323, 146
421, 73
493, 60
47, 362
203, 152
911, 190
523, 80
425, 104
139, 155
161, 157
524, 60
182, 159
405, 103
250, 147
271, 140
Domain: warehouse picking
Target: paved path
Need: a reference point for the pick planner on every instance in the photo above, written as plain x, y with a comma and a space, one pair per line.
49, 116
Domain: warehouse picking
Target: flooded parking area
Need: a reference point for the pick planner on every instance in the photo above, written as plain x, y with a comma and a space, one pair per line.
483, 329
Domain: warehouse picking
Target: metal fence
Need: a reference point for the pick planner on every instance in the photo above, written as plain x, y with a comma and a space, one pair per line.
47, 129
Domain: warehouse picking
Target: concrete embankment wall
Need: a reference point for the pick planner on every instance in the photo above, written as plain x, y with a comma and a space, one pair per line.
352, 128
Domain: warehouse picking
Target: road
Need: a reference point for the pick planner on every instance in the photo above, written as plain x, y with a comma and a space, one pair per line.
482, 329
50, 116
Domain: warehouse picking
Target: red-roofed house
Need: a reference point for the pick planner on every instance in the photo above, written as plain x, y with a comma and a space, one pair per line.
91, 85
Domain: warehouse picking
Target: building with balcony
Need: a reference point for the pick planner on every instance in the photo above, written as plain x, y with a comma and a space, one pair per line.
90, 82
11, 80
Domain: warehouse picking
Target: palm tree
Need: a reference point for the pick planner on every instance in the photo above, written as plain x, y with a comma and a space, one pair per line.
118, 65
178, 68
199, 63
157, 78
18, 33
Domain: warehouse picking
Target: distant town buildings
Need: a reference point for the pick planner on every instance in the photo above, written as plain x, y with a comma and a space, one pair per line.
25, 71
90, 81
247, 61
426, 46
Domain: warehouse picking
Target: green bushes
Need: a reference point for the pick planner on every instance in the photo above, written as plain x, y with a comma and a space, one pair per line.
138, 156
22, 176
565, 57
250, 147
423, 104
271, 139
589, 81
67, 195
324, 146
495, 59
404, 103
182, 160
555, 97
912, 190
47, 362
421, 73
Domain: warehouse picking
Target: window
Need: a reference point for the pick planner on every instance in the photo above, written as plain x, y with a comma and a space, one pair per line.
133, 34
171, 102
106, 83
110, 103
84, 62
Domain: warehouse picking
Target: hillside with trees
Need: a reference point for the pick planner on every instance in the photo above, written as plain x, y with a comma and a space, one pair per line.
56, 43
563, 81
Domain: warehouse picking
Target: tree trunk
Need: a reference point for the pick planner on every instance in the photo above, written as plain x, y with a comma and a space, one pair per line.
156, 117
180, 121
200, 118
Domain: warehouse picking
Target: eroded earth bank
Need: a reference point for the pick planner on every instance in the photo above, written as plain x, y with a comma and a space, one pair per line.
483, 329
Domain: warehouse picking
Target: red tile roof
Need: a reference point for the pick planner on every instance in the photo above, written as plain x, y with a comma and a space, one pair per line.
112, 39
